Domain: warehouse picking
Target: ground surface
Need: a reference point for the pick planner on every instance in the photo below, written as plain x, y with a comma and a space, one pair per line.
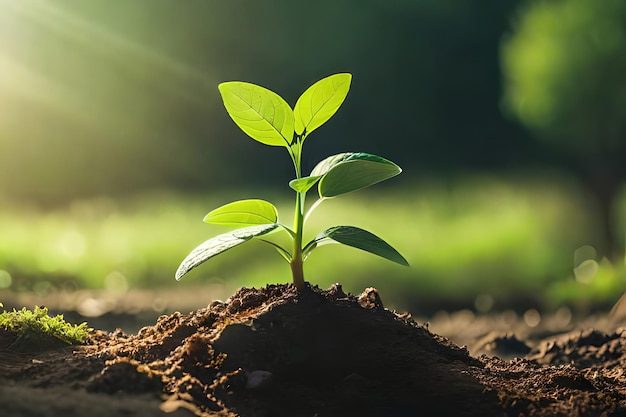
275, 351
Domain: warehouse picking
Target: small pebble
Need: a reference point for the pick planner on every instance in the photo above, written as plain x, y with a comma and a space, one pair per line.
258, 379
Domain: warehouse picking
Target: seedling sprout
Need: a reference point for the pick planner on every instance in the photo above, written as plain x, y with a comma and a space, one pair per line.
267, 118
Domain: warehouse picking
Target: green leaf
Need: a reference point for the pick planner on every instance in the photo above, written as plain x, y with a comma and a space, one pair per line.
326, 164
364, 240
260, 113
302, 185
353, 174
219, 244
282, 251
243, 213
320, 101
314, 244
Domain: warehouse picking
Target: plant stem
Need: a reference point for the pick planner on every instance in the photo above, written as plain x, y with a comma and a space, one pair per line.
297, 267
297, 270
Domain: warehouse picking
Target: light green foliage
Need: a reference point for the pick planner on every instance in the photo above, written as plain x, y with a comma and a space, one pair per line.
259, 112
320, 101
354, 173
35, 329
243, 213
361, 239
221, 243
529, 240
267, 118
564, 67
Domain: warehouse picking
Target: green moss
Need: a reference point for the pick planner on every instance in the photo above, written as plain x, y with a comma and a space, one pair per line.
33, 330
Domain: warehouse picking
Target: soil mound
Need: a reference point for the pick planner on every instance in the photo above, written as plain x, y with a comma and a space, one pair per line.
276, 351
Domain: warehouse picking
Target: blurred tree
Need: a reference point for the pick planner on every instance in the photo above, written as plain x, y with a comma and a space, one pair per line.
565, 68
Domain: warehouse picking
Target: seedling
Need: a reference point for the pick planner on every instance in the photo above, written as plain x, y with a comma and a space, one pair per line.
267, 118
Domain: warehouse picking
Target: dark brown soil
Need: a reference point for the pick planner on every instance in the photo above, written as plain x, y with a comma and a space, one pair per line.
276, 351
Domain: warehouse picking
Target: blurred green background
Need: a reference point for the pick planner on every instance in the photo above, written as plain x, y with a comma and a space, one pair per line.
508, 118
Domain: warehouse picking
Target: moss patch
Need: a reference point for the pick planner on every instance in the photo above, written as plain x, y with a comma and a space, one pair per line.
36, 330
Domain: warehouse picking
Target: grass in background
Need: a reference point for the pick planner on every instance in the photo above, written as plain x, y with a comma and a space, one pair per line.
477, 238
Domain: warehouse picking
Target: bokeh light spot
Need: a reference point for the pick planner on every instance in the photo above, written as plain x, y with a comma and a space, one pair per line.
483, 303
72, 244
116, 282
532, 317
5, 279
585, 272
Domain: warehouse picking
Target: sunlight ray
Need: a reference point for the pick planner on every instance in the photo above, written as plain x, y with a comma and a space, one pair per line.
65, 63
121, 49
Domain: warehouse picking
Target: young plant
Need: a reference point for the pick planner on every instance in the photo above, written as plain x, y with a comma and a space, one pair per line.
267, 118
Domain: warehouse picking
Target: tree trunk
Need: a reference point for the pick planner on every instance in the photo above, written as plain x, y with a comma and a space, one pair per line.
611, 248
605, 184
